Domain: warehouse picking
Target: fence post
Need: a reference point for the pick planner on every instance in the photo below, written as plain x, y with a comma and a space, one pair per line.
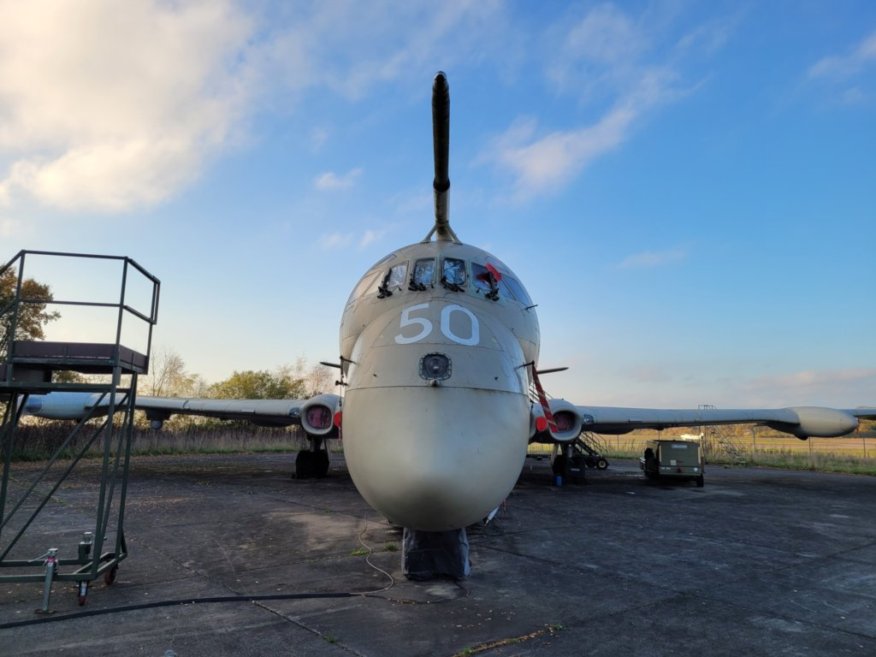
753, 443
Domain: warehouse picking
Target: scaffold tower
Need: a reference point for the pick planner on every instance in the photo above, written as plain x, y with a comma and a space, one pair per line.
103, 317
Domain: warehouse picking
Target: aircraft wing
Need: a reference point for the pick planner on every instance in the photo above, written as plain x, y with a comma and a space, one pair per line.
269, 412
801, 421
863, 412
315, 414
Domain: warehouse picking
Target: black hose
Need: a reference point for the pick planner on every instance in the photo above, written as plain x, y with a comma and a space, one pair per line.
175, 603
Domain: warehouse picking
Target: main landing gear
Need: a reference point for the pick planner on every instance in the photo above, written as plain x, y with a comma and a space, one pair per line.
312, 463
573, 459
566, 467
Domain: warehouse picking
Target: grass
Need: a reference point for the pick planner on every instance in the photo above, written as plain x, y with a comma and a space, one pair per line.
38, 441
819, 462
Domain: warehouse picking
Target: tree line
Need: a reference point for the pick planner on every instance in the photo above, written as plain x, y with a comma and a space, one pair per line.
168, 377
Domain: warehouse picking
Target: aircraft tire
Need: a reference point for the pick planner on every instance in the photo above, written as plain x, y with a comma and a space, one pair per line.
305, 465
320, 464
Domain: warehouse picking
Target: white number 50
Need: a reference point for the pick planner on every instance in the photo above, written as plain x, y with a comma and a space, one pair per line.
426, 325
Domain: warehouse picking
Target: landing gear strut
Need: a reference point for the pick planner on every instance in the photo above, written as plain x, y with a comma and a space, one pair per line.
568, 465
435, 555
312, 463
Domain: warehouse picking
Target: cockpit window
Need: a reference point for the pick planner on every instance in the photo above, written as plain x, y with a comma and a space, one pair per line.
364, 286
397, 275
423, 275
484, 281
453, 274
393, 281
517, 290
482, 278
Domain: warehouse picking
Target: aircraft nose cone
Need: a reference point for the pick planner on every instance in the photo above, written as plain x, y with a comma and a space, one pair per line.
435, 459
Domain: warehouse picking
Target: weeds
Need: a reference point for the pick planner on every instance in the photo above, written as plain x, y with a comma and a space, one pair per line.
489, 646
39, 442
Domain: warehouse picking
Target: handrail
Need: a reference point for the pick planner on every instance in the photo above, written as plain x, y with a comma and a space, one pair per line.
10, 313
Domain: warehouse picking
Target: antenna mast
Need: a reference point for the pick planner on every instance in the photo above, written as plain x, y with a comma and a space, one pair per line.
441, 143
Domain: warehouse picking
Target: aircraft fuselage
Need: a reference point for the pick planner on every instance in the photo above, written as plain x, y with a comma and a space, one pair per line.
435, 339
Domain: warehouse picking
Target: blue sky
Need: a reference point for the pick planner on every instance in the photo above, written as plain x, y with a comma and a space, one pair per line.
687, 189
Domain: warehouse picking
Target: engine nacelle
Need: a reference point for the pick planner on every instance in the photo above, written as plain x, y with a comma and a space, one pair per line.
566, 417
818, 422
318, 416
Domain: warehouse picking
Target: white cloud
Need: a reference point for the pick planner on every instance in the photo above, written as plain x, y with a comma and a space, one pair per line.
318, 138
605, 34
333, 241
349, 47
649, 259
845, 66
106, 106
846, 74
616, 60
370, 237
331, 181
338, 240
542, 164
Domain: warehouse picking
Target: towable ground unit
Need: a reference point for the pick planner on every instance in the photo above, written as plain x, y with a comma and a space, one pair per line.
673, 459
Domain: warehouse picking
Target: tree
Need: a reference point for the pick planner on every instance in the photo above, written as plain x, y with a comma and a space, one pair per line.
168, 377
317, 378
260, 385
32, 317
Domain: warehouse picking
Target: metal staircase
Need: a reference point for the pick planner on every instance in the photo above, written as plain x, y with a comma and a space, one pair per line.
716, 440
104, 373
